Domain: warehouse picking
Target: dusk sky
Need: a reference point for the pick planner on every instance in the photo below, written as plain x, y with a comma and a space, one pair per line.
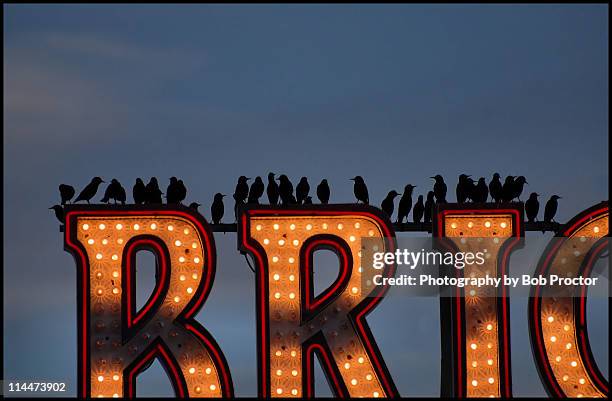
395, 93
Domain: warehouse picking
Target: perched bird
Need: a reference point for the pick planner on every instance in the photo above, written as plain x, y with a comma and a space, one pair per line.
90, 190
308, 200
405, 204
114, 191
429, 204
256, 191
517, 187
194, 206
532, 207
241, 193
387, 203
495, 188
182, 191
439, 189
139, 192
153, 194
551, 209
217, 209
120, 194
66, 193
272, 190
463, 188
173, 191
508, 189
419, 209
301, 190
285, 190
360, 190
480, 193
323, 192
59, 213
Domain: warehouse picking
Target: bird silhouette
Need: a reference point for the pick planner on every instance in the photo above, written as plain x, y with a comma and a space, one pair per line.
256, 191
480, 192
115, 192
120, 193
517, 187
429, 204
439, 189
182, 191
551, 209
495, 188
285, 190
301, 190
323, 192
463, 188
405, 204
272, 190
532, 207
387, 203
66, 193
90, 190
194, 206
308, 200
173, 191
139, 192
360, 189
59, 213
217, 209
508, 189
419, 209
241, 194
153, 195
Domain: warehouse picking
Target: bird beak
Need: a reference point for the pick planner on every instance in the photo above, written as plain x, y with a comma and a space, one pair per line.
351, 179
51, 208
526, 183
433, 178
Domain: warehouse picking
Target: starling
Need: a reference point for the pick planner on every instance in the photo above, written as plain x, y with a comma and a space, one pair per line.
138, 192
308, 200
66, 193
495, 188
439, 189
405, 204
114, 191
419, 209
429, 204
387, 204
272, 190
59, 213
173, 191
241, 194
120, 193
532, 207
463, 189
360, 190
517, 187
480, 193
508, 189
551, 209
153, 194
194, 206
323, 191
182, 191
90, 190
217, 209
285, 190
256, 191
301, 190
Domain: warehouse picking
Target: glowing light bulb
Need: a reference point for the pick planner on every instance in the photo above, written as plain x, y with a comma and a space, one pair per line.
90, 241
186, 231
258, 227
276, 277
581, 381
177, 299
296, 242
279, 391
104, 241
360, 359
274, 259
340, 226
503, 225
170, 228
292, 227
192, 370
357, 225
208, 371
281, 242
177, 242
453, 225
489, 327
277, 295
114, 257
291, 277
475, 383
99, 256
116, 377
194, 276
347, 365
119, 226
294, 391
102, 226
194, 245
276, 226
550, 319
324, 226
100, 379
375, 394
491, 380
212, 387
153, 226
115, 274
266, 241
487, 224
182, 277
291, 295
352, 238
474, 364
574, 364
136, 227
189, 290
115, 290
308, 227
473, 346
369, 377
354, 382
85, 227
354, 290
181, 259
294, 372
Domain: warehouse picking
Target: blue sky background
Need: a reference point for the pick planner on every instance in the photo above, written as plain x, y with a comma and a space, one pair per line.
394, 93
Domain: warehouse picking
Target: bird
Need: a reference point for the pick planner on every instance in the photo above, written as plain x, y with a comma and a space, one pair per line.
508, 189
256, 191
387, 203
323, 192
109, 193
139, 192
182, 191
439, 189
173, 191
308, 200
59, 213
120, 194
194, 206
90, 190
66, 193
217, 209
495, 188
272, 190
114, 191
551, 209
360, 190
480, 192
301, 190
405, 204
153, 194
241, 193
419, 209
532, 207
285, 190
517, 187
429, 204
463, 188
